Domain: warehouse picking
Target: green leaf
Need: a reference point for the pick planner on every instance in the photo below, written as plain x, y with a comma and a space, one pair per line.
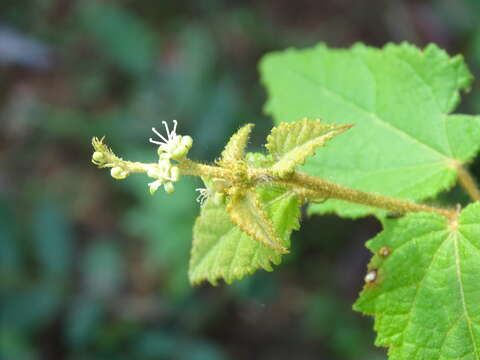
404, 143
235, 148
426, 298
248, 214
222, 251
292, 143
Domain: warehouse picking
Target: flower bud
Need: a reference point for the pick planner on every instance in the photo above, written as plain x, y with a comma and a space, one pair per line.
169, 188
153, 186
180, 152
187, 141
98, 158
162, 154
118, 173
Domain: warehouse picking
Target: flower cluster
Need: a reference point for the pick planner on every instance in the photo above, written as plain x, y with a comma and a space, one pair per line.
104, 157
213, 190
164, 172
174, 147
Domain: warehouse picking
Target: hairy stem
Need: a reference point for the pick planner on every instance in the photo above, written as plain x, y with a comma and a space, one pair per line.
315, 188
331, 190
468, 183
189, 167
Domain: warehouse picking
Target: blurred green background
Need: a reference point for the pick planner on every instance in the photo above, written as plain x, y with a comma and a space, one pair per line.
92, 268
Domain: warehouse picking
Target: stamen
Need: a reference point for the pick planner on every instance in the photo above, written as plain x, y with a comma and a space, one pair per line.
174, 127
166, 127
202, 197
155, 142
159, 135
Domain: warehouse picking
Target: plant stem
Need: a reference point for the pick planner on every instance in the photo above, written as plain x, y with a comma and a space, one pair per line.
189, 167
315, 187
331, 190
468, 183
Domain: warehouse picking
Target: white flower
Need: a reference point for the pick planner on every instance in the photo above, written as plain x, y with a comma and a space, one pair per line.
203, 195
153, 186
165, 174
119, 173
173, 146
206, 193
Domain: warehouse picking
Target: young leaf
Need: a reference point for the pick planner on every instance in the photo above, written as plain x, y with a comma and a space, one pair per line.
405, 143
247, 213
423, 287
235, 148
291, 143
222, 251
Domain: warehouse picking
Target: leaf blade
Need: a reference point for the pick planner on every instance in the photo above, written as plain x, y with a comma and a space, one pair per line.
398, 98
248, 214
220, 250
425, 299
235, 148
292, 143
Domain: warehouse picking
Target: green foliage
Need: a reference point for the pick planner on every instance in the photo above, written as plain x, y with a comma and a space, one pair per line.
291, 144
235, 148
248, 214
221, 249
404, 143
425, 296
421, 284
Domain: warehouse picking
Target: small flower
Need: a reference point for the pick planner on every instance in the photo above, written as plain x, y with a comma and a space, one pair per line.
165, 174
173, 146
98, 158
153, 186
119, 173
203, 195
169, 188
206, 193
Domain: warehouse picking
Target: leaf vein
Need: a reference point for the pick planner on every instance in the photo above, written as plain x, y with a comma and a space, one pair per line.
373, 116
462, 294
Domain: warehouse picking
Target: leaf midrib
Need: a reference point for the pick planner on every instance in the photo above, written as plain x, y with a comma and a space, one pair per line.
228, 233
373, 116
449, 236
462, 294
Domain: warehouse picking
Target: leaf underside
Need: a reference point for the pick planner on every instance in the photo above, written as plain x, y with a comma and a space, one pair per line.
221, 250
247, 212
291, 144
404, 143
235, 148
426, 297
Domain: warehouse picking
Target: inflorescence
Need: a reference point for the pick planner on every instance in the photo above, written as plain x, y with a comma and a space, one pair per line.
171, 147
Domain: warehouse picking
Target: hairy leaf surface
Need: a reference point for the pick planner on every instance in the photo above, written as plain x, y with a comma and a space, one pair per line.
292, 143
404, 143
426, 298
235, 148
221, 250
248, 213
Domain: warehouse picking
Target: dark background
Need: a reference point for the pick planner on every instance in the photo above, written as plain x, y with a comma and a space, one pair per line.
93, 268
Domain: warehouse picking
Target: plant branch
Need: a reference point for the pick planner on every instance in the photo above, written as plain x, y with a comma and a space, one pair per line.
331, 190
315, 188
467, 181
189, 167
